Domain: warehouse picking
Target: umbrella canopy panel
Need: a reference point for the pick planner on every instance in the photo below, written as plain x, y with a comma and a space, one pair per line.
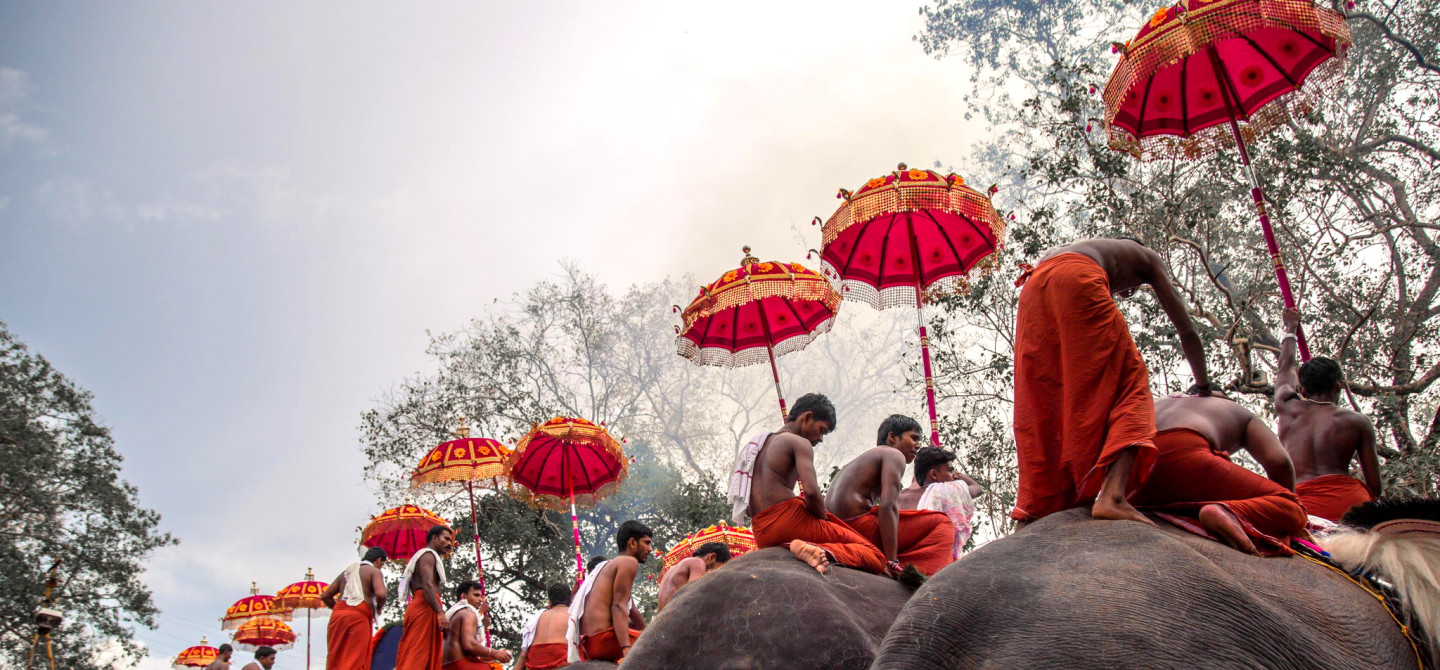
303, 596
251, 607
565, 455
1198, 64
400, 531
740, 540
909, 229
782, 305
463, 460
267, 632
198, 656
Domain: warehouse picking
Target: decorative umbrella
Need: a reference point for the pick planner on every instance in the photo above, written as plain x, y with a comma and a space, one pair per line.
464, 462
253, 606
774, 308
196, 657
264, 632
565, 458
1200, 68
304, 596
400, 531
906, 234
739, 539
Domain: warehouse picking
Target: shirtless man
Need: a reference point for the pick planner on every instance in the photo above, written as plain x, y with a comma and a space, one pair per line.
542, 641
865, 495
1321, 436
222, 660
1073, 350
1193, 473
463, 650
604, 612
264, 658
708, 557
932, 466
768, 468
352, 616
425, 620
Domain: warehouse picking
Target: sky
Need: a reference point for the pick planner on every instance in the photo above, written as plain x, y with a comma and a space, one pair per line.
236, 223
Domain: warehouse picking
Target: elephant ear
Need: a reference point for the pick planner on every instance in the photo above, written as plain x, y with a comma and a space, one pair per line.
1370, 514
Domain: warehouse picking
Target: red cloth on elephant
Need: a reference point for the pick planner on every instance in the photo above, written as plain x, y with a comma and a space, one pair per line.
603, 646
1082, 392
779, 524
348, 637
1190, 474
547, 656
420, 639
465, 663
1328, 496
924, 537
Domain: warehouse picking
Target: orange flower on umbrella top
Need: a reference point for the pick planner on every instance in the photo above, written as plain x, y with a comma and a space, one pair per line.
198, 656
252, 607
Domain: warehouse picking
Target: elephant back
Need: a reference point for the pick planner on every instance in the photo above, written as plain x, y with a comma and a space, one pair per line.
1073, 592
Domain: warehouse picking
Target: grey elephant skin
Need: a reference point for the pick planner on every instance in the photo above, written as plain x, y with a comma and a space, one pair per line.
1072, 592
767, 609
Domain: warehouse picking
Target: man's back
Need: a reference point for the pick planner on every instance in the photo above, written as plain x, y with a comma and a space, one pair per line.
597, 615
858, 485
775, 471
1126, 263
1321, 438
550, 629
1223, 423
678, 576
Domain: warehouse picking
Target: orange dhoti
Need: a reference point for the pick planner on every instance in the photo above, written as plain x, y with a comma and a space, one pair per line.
1189, 475
779, 524
548, 656
1082, 392
924, 538
348, 637
421, 638
1328, 496
602, 646
466, 663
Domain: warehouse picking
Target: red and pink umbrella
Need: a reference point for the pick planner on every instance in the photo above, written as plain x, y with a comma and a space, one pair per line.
304, 596
564, 459
265, 632
906, 234
400, 531
756, 312
199, 656
1200, 69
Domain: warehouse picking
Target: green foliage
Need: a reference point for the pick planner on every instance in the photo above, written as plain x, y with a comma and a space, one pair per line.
61, 499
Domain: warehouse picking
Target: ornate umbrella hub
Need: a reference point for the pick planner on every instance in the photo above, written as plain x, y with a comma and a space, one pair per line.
266, 632
1294, 43
462, 460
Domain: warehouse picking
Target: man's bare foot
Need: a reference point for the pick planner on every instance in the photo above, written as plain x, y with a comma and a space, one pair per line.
1218, 520
812, 555
1117, 510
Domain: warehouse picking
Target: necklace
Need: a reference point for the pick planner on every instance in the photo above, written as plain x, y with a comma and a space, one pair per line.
1321, 402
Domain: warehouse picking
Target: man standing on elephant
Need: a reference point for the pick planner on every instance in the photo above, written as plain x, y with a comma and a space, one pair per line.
1321, 436
1193, 474
1084, 418
604, 621
763, 486
913, 537
425, 620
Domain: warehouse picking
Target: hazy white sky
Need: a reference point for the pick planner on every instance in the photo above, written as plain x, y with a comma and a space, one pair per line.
235, 223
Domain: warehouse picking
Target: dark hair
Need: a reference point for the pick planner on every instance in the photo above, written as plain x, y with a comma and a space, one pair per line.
226, 648
721, 551
594, 561
631, 530
1320, 375
927, 459
559, 594
1133, 239
465, 586
264, 651
375, 554
817, 404
435, 532
896, 424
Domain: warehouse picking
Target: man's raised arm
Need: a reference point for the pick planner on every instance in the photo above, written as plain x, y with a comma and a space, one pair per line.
805, 471
1174, 307
892, 468
1266, 449
976, 490
1287, 380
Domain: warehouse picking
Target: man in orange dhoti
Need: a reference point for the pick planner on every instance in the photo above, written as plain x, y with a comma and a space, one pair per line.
542, 640
763, 486
1321, 436
604, 621
463, 647
1193, 475
425, 620
1084, 418
866, 496
362, 594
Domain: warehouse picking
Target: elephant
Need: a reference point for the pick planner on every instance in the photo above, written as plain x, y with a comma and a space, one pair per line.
1070, 591
767, 609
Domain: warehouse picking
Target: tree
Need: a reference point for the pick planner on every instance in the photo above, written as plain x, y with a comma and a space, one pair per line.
62, 500
1350, 182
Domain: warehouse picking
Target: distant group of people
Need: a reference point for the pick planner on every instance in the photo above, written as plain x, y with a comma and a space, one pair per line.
264, 658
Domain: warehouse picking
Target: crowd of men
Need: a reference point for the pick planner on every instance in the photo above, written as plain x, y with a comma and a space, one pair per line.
1088, 432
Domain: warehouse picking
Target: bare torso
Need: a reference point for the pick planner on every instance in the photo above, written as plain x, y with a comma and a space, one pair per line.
1127, 264
683, 573
552, 625
1321, 438
858, 486
598, 615
463, 622
775, 473
909, 497
1222, 422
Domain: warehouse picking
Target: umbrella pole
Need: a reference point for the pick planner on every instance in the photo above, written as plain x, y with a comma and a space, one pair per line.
575, 527
309, 614
775, 372
925, 363
479, 566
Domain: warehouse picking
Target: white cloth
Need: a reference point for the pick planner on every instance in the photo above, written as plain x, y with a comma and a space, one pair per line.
462, 605
527, 634
354, 592
952, 498
577, 610
405, 592
740, 479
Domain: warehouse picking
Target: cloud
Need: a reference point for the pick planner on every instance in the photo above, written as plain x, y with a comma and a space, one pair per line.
75, 201
14, 93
